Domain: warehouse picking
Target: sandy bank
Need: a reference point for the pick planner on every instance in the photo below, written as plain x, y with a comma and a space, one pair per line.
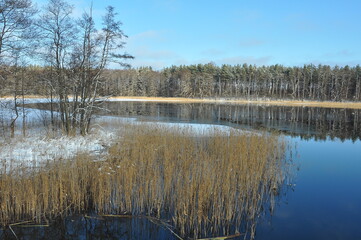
352, 105
298, 103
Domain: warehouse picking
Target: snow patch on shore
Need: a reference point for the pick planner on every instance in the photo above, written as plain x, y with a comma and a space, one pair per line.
38, 147
35, 150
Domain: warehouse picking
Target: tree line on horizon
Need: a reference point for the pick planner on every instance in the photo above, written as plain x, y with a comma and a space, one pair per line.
309, 82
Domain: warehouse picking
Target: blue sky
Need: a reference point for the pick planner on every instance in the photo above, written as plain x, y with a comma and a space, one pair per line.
173, 32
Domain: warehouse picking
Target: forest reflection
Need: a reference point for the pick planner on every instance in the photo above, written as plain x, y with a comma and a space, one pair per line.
305, 122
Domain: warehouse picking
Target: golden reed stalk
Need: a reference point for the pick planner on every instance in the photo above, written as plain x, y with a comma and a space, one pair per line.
200, 183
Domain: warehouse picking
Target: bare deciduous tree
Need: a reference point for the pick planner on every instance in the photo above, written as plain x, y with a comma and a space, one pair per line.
15, 21
57, 31
15, 29
79, 59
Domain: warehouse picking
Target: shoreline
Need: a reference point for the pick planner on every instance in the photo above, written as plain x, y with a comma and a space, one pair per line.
290, 103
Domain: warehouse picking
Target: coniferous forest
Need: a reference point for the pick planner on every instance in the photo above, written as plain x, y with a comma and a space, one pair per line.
309, 82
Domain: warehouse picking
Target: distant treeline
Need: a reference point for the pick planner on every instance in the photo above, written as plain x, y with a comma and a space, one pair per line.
310, 82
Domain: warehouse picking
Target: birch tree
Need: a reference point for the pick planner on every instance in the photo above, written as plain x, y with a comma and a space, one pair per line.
90, 58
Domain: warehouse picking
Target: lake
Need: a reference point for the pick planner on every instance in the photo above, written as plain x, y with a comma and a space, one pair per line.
323, 201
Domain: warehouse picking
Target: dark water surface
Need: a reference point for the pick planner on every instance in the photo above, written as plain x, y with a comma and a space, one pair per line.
324, 203
305, 122
80, 227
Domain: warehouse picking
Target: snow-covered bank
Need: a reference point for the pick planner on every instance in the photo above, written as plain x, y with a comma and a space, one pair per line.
37, 149
40, 146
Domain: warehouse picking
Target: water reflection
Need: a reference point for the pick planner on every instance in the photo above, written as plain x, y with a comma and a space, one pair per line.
306, 122
84, 227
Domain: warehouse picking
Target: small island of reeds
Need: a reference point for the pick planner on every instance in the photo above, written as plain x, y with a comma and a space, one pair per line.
202, 184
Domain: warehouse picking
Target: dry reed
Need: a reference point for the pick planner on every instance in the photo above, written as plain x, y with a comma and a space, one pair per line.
267, 102
212, 184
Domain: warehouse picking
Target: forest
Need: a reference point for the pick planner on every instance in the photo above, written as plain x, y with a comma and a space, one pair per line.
309, 82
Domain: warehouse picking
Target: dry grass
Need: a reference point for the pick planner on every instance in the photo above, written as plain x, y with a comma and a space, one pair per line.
295, 103
19, 97
203, 185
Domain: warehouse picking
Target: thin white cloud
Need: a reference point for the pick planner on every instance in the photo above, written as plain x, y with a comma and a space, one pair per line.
337, 63
251, 42
155, 64
149, 34
145, 52
247, 15
181, 61
168, 5
212, 52
341, 53
245, 59
161, 63
301, 22
140, 46
146, 38
156, 58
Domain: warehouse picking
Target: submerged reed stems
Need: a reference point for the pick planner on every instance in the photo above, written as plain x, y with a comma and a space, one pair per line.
206, 184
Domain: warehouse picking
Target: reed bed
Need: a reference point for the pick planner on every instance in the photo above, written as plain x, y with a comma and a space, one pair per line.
203, 185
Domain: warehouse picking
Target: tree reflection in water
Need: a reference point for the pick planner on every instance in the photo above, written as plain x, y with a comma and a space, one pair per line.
306, 122
80, 227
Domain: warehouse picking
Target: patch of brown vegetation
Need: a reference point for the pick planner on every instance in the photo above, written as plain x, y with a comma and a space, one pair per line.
19, 97
203, 184
351, 105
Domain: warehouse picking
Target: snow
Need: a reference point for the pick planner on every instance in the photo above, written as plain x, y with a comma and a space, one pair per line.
193, 129
38, 147
34, 150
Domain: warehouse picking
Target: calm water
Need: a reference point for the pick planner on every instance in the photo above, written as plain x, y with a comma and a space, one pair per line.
325, 202
80, 227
